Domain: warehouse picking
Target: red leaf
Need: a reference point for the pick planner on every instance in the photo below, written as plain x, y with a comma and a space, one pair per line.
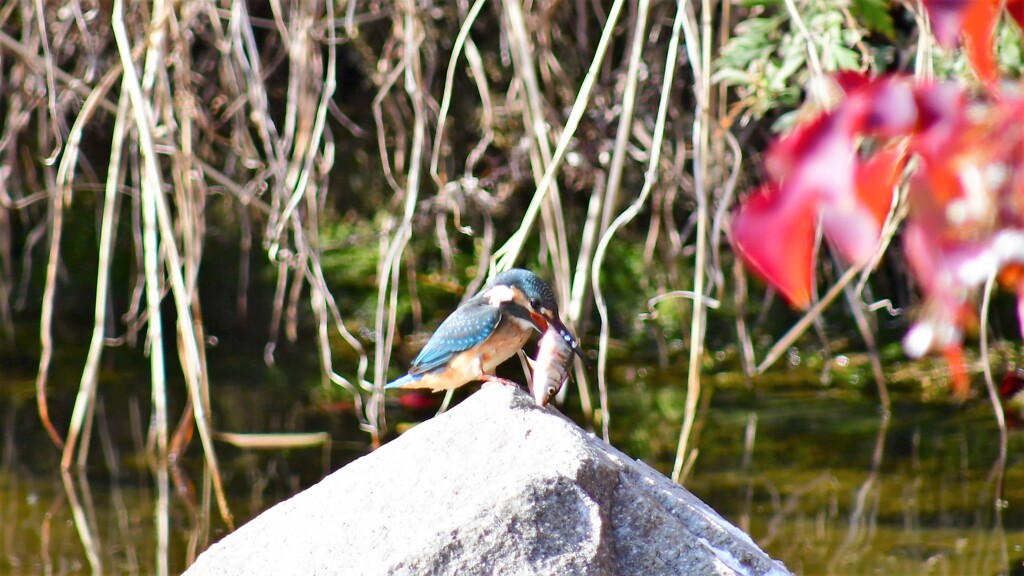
946, 17
936, 184
816, 159
854, 224
851, 229
1020, 308
1016, 9
1013, 382
979, 32
416, 400
960, 383
920, 245
876, 178
850, 81
940, 116
884, 107
774, 234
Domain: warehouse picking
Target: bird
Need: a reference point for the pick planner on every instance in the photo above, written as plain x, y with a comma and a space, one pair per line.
484, 332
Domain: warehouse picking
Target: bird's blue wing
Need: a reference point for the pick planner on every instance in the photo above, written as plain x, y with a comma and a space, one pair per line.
465, 328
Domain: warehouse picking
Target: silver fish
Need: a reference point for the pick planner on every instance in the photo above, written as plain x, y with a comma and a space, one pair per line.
551, 367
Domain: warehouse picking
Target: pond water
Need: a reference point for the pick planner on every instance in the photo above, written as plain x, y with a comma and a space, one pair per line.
816, 474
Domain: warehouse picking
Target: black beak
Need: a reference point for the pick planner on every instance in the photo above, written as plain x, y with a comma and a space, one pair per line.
569, 339
542, 321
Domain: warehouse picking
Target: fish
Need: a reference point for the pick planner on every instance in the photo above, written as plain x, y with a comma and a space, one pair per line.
551, 366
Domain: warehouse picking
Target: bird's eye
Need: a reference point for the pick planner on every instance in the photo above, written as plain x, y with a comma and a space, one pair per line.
551, 391
534, 303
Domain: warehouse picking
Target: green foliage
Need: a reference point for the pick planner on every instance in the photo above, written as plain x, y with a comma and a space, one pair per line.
759, 61
766, 59
874, 15
1010, 49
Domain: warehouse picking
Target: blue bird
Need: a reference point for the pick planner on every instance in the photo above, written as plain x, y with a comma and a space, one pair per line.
484, 332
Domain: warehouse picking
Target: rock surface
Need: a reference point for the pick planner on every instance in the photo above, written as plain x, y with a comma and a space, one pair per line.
496, 485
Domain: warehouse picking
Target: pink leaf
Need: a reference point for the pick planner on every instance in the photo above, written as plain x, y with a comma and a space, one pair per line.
816, 160
852, 230
947, 17
883, 107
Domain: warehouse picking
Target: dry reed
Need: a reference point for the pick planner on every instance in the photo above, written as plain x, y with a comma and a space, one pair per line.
210, 108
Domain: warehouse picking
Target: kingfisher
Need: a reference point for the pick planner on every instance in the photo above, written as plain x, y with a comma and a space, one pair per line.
485, 331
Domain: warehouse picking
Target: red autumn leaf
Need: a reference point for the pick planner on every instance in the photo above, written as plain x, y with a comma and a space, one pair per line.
876, 178
880, 107
960, 383
850, 81
788, 156
893, 111
966, 220
979, 27
946, 17
1013, 382
1016, 9
853, 224
922, 247
940, 117
851, 229
774, 234
1011, 277
416, 400
1020, 307
815, 161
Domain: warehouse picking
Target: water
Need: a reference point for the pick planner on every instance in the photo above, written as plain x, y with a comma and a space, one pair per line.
825, 483
816, 474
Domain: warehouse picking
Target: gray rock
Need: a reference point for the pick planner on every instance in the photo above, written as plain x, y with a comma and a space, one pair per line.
494, 486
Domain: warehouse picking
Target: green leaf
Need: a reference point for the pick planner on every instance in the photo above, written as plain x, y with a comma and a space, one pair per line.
845, 59
874, 15
780, 77
731, 77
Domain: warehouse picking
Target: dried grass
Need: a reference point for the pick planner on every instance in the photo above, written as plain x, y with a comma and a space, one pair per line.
207, 106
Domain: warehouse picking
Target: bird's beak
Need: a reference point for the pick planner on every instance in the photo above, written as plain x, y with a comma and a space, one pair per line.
539, 320
568, 337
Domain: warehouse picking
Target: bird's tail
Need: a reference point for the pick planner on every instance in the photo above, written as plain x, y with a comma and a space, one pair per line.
403, 381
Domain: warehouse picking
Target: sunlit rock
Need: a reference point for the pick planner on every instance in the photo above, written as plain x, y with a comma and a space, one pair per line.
497, 485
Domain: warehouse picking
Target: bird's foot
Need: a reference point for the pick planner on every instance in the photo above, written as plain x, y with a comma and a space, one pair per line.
489, 379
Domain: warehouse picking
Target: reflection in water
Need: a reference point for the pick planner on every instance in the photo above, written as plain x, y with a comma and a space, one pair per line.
831, 487
816, 475
85, 517
104, 517
45, 532
748, 461
862, 517
998, 503
112, 458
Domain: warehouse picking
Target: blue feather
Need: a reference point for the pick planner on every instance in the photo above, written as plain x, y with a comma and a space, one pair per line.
465, 328
404, 381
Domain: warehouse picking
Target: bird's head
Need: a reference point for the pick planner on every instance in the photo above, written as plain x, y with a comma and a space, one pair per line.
528, 291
